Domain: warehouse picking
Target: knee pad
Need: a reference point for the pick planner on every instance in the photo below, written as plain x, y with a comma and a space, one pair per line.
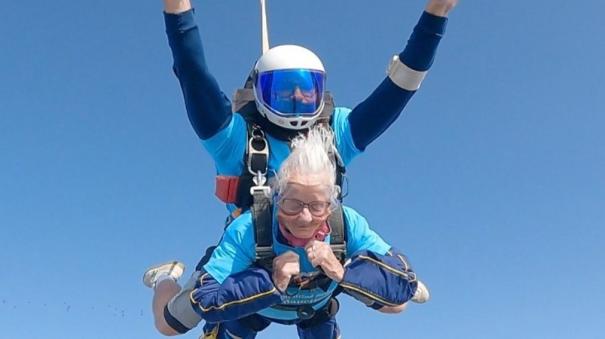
179, 312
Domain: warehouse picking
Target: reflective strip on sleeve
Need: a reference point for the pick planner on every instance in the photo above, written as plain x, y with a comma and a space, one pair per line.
403, 76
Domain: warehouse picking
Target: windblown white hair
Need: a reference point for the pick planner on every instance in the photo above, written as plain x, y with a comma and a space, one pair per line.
310, 157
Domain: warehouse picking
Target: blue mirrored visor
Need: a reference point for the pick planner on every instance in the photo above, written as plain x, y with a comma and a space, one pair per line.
291, 92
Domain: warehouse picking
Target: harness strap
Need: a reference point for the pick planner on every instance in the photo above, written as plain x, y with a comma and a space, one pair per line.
262, 216
256, 160
326, 114
338, 237
243, 96
340, 170
257, 152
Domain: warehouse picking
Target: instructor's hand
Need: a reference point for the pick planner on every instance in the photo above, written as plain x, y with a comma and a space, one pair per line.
440, 7
285, 267
176, 6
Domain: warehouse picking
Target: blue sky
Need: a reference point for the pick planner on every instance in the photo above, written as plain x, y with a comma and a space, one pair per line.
492, 181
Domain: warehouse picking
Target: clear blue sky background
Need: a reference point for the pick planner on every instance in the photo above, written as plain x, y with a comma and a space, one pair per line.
493, 180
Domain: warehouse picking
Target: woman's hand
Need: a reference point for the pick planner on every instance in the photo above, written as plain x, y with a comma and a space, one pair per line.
320, 255
285, 266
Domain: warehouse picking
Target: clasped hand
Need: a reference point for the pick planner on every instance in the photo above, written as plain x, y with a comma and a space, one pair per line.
287, 265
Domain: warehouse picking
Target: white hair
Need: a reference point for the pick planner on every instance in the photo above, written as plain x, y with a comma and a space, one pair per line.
310, 156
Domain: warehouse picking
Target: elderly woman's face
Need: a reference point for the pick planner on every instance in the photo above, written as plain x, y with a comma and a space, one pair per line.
304, 206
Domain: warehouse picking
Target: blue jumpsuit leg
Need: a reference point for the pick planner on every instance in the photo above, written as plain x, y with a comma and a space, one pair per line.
326, 330
228, 330
236, 329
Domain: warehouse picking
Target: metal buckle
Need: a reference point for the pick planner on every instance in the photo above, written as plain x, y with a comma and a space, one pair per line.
262, 251
257, 145
259, 185
305, 312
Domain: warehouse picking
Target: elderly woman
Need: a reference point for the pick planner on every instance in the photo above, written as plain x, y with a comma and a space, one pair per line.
238, 297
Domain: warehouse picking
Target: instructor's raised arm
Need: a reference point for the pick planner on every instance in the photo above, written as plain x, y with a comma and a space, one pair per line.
208, 108
370, 118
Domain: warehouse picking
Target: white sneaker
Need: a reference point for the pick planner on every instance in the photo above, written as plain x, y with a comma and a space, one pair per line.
422, 294
173, 269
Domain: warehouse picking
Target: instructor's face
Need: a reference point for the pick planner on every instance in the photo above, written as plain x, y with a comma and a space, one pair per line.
304, 206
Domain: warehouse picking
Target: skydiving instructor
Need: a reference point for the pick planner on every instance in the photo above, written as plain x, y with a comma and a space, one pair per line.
287, 96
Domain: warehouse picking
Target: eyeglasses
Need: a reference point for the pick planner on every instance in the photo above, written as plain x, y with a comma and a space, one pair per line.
295, 206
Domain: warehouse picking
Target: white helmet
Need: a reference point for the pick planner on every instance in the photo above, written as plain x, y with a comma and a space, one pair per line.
289, 86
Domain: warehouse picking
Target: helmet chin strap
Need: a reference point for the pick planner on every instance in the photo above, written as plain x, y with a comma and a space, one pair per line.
264, 28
